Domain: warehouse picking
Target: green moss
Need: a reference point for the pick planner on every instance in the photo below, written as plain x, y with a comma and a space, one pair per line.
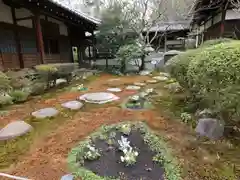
156, 144
11, 150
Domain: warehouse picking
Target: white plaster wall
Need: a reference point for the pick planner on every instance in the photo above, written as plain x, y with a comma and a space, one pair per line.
21, 13
62, 27
5, 13
232, 14
208, 24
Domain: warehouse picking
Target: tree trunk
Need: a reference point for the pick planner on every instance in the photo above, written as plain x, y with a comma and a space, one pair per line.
142, 67
123, 66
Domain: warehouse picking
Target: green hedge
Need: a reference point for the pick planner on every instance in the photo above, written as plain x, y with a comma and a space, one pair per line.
215, 75
212, 75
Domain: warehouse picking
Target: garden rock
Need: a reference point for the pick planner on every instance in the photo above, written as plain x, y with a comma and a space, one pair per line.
211, 128
174, 87
114, 89
164, 74
144, 73
73, 105
14, 129
99, 97
131, 87
206, 113
161, 78
61, 81
152, 81
139, 84
45, 113
67, 177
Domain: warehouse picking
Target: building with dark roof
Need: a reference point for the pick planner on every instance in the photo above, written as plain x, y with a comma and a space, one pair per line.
35, 31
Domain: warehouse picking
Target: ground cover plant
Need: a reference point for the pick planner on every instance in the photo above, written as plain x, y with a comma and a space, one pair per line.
135, 155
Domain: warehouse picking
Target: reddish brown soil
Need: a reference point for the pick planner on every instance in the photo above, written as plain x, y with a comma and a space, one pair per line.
46, 159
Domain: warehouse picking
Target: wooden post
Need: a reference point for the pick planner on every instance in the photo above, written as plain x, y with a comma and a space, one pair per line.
224, 9
94, 47
17, 38
165, 42
39, 37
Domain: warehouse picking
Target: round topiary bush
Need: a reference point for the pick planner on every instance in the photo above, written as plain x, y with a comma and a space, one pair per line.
214, 74
178, 65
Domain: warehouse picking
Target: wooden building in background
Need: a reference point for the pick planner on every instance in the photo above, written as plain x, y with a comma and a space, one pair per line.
214, 19
42, 31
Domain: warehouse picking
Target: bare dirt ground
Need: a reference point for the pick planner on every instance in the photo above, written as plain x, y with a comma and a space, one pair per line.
46, 159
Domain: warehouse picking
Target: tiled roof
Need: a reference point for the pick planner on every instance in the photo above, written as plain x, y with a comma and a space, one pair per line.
76, 12
171, 26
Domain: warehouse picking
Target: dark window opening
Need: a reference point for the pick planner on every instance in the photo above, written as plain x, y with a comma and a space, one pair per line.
51, 46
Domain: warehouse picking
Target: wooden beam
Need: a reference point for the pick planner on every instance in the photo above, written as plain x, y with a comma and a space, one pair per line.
40, 43
17, 38
24, 18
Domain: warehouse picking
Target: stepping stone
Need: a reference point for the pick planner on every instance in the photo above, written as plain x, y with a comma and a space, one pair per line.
115, 79
164, 74
61, 81
45, 113
131, 87
152, 81
99, 97
139, 84
67, 177
114, 89
73, 105
161, 78
14, 129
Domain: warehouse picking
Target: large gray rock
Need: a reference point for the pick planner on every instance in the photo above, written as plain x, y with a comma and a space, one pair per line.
45, 113
99, 97
14, 129
211, 128
73, 105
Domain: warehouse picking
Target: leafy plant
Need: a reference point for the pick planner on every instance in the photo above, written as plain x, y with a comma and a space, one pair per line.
129, 157
19, 95
92, 153
38, 88
4, 82
5, 99
124, 144
125, 129
186, 117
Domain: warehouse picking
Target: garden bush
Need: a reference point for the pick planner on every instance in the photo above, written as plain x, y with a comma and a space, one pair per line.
5, 99
178, 65
19, 95
215, 42
213, 75
4, 82
38, 88
51, 72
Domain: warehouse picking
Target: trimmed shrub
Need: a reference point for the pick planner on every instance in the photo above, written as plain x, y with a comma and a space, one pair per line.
51, 72
4, 82
178, 65
215, 42
19, 95
5, 99
214, 76
38, 88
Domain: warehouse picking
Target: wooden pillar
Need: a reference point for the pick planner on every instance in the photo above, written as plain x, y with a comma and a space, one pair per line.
165, 41
40, 43
224, 9
17, 38
94, 47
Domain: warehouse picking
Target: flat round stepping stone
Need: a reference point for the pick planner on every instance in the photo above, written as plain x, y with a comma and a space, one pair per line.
144, 73
99, 97
114, 89
14, 129
161, 78
131, 87
73, 105
67, 177
45, 113
139, 84
152, 81
115, 79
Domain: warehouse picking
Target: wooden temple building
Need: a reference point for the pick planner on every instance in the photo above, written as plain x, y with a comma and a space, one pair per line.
42, 31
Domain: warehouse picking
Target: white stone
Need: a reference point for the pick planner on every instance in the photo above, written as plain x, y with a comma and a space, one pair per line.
139, 84
114, 90
73, 105
67, 177
164, 74
61, 81
161, 78
45, 113
131, 87
14, 129
144, 73
152, 81
99, 97
211, 128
